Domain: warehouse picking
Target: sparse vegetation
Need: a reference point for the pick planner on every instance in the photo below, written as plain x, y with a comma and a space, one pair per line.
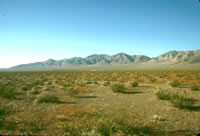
83, 103
118, 88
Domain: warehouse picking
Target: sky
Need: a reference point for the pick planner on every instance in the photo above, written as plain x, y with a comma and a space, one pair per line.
36, 30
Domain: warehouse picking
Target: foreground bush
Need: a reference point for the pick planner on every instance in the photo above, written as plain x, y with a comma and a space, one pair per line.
134, 84
164, 94
181, 101
118, 88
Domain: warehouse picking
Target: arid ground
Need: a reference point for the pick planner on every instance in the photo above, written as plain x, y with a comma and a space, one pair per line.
100, 103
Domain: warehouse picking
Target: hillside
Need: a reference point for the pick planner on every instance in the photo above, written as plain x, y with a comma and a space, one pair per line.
120, 60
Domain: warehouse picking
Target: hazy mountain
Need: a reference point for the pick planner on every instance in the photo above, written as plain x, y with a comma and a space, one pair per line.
170, 58
178, 57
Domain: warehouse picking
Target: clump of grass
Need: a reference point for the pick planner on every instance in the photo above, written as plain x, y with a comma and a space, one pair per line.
118, 88
174, 83
46, 98
178, 100
195, 87
134, 84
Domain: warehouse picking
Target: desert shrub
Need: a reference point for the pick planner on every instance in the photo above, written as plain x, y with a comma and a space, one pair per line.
66, 85
134, 84
95, 123
105, 127
73, 92
7, 93
24, 88
118, 88
163, 94
34, 91
4, 124
195, 87
3, 113
106, 83
46, 98
174, 83
72, 131
89, 82
181, 101
152, 79
180, 75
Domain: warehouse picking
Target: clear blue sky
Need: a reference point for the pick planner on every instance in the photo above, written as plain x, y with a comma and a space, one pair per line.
33, 30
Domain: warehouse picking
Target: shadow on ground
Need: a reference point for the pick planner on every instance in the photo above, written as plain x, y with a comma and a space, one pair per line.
131, 91
193, 108
86, 97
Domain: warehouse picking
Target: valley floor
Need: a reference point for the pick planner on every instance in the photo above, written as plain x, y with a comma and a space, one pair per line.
84, 103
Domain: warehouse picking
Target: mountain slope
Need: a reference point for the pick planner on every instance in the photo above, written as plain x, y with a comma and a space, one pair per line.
170, 58
178, 57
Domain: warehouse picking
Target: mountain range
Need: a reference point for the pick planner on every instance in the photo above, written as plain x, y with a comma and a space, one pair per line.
120, 60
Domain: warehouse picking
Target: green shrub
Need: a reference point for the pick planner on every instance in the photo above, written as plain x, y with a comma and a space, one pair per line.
195, 88
24, 88
3, 113
118, 88
105, 127
89, 82
182, 102
178, 100
163, 94
174, 83
7, 93
34, 91
48, 99
152, 79
134, 84
5, 124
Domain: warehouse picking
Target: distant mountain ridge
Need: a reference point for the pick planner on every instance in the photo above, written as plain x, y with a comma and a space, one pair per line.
176, 57
171, 57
